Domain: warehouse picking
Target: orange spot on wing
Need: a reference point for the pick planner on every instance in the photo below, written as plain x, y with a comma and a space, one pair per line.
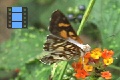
63, 34
73, 36
71, 33
63, 25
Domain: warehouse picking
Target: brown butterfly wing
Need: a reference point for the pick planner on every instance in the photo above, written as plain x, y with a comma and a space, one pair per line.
57, 44
60, 50
60, 26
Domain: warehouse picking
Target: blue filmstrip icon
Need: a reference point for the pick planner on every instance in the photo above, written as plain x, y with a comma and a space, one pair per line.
17, 17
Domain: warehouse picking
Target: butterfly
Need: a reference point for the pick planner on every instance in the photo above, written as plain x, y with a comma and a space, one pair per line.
63, 43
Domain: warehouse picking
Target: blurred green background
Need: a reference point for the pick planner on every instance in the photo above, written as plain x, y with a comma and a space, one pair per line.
20, 49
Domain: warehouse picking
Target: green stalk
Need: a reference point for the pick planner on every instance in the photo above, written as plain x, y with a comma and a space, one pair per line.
85, 16
63, 71
114, 67
87, 12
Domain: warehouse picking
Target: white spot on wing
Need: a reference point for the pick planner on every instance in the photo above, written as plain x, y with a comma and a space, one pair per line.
85, 48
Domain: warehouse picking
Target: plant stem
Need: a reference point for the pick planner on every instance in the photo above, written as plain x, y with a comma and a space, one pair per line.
89, 8
85, 16
114, 67
63, 71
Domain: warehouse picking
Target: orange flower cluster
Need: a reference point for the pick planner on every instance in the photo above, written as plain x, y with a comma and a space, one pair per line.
94, 63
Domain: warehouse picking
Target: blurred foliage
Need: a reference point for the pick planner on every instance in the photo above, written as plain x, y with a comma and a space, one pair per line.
24, 48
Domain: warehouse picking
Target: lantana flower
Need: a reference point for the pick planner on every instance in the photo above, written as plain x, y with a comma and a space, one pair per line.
87, 55
88, 67
94, 63
81, 73
77, 66
96, 54
108, 61
106, 75
107, 54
